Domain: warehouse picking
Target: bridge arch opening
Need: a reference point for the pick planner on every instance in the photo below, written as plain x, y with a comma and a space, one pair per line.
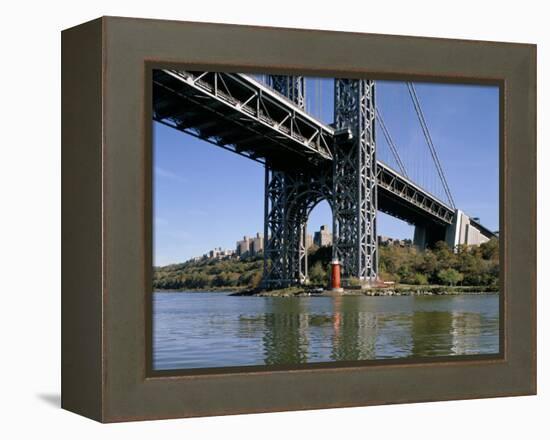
308, 205
319, 236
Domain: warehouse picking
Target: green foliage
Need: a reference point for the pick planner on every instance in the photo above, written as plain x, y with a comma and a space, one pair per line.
420, 279
205, 274
353, 282
450, 276
467, 266
317, 274
476, 265
319, 254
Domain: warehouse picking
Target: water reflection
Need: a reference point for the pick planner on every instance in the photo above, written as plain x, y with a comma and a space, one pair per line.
431, 333
354, 333
193, 330
285, 337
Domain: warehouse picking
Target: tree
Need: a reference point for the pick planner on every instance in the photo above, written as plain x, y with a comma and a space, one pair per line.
405, 274
255, 279
450, 276
444, 254
489, 249
420, 279
317, 274
471, 266
353, 282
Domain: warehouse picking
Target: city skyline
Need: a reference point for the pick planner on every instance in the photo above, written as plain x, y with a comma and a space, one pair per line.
251, 245
203, 191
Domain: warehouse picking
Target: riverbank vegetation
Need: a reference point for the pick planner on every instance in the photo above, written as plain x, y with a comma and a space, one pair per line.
396, 290
468, 266
210, 274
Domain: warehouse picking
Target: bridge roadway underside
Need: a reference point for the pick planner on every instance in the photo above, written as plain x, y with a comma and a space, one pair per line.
237, 113
432, 229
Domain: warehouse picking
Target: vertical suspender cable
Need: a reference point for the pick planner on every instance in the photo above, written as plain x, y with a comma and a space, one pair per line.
390, 142
431, 146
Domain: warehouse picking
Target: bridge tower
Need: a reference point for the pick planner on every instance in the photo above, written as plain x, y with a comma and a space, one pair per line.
355, 243
285, 253
349, 186
293, 87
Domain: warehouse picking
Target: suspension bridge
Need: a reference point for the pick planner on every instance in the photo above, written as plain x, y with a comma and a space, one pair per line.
306, 161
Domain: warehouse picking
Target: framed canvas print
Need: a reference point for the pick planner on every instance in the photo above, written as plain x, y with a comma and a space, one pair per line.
263, 219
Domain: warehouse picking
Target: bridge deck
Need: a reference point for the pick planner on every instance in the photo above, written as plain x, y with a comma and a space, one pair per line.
236, 112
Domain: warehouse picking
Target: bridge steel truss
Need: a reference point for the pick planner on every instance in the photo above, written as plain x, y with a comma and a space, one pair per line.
238, 113
349, 186
293, 87
354, 181
306, 161
401, 188
290, 195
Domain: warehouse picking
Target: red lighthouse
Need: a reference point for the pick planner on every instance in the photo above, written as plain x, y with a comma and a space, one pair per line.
335, 277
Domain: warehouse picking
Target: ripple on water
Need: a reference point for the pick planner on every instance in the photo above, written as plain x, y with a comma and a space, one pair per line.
202, 329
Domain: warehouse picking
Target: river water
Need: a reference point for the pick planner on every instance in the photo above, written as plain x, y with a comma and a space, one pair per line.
213, 329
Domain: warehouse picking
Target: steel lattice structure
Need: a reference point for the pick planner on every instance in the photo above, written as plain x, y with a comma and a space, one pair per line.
235, 111
195, 103
354, 180
275, 228
292, 87
290, 196
305, 161
349, 185
400, 187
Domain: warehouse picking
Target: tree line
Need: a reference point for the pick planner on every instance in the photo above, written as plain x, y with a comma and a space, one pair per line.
465, 265
440, 265
210, 273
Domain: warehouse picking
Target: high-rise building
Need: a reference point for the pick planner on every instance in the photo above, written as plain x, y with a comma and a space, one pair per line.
323, 237
257, 244
250, 245
243, 246
219, 253
309, 241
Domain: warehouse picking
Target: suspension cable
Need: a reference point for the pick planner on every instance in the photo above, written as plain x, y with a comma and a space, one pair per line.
431, 146
390, 142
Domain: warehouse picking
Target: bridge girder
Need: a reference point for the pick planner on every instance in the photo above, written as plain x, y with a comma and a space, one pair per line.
237, 101
172, 110
235, 112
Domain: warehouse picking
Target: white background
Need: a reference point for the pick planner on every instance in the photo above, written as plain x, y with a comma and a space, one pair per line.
30, 219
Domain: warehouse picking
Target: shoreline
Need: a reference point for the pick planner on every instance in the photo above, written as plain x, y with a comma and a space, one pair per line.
396, 291
401, 290
198, 290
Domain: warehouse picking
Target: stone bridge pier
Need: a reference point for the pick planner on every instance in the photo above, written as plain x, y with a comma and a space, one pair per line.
463, 230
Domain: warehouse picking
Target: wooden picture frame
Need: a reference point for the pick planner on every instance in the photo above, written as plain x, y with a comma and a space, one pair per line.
106, 219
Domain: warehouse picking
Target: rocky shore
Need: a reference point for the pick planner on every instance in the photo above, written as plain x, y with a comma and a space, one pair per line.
393, 291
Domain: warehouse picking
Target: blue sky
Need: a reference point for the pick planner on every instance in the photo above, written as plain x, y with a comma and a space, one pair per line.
205, 197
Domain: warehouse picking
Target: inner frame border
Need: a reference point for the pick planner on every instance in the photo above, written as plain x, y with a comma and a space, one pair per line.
150, 66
